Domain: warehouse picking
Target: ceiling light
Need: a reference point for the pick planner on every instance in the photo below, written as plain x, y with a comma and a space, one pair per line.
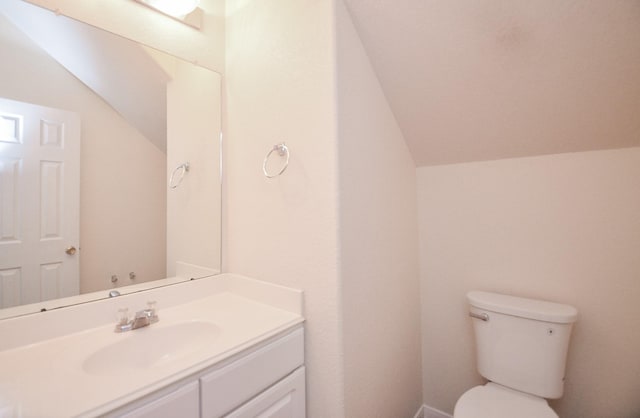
186, 11
175, 8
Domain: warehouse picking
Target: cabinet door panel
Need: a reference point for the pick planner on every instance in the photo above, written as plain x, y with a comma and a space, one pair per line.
286, 399
227, 388
183, 403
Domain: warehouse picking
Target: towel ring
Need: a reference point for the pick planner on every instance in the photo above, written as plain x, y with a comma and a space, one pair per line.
182, 168
282, 151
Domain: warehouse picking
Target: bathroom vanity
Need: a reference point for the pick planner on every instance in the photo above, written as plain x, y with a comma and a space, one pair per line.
223, 346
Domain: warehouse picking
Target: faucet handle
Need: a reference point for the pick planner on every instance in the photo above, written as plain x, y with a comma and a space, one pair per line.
152, 310
123, 316
124, 324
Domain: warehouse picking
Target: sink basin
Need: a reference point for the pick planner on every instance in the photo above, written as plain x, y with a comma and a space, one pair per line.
152, 346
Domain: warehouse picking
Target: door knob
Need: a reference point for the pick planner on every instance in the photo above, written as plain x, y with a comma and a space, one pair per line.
71, 250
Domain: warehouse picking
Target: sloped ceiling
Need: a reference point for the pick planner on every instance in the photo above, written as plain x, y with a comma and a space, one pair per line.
472, 80
120, 71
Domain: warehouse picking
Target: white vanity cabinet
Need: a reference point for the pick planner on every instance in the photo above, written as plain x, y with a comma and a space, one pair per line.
267, 380
226, 345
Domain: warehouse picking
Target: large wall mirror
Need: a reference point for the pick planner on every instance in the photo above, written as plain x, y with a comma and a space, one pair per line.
109, 163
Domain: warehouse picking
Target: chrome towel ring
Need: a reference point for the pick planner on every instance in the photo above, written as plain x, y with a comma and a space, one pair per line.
182, 169
283, 150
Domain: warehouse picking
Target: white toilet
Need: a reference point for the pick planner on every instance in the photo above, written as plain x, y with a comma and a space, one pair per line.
521, 348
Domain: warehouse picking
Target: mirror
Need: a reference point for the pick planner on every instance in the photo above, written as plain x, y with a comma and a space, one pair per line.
109, 163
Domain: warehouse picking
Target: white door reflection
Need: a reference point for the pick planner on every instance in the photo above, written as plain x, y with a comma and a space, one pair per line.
39, 203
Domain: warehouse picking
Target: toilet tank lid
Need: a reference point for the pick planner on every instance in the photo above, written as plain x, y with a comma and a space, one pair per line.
526, 308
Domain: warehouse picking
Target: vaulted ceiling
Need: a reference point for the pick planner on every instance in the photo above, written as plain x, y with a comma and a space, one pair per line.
473, 80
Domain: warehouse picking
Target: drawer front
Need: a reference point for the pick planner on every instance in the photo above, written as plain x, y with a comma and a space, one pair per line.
284, 399
182, 403
232, 385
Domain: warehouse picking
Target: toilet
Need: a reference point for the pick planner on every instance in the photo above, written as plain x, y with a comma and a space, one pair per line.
521, 349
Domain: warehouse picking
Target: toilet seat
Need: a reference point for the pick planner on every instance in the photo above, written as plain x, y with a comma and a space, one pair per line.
495, 401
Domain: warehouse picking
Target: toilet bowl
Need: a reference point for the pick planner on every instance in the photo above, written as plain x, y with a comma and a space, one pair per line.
521, 349
495, 401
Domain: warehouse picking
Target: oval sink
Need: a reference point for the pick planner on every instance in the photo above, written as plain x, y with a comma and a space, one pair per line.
152, 346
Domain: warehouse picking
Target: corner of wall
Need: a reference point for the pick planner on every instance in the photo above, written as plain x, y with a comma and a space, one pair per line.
378, 241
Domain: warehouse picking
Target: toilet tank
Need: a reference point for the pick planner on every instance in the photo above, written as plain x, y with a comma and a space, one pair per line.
523, 343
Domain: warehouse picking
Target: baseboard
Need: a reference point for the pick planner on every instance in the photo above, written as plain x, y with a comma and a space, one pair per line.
429, 412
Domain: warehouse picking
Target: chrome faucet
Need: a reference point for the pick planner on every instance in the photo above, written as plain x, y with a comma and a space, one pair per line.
141, 319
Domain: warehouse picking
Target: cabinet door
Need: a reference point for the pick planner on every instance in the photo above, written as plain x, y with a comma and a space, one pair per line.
183, 402
285, 399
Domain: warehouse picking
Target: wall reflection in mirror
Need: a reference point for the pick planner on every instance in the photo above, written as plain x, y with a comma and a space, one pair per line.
92, 127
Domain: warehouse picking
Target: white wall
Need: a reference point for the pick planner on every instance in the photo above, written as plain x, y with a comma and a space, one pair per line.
193, 136
280, 86
565, 228
378, 243
111, 234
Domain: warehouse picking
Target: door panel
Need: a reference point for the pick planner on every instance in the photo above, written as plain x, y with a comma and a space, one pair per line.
10, 283
9, 212
39, 202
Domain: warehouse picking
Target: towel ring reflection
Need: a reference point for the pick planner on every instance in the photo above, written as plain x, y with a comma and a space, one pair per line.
283, 150
182, 169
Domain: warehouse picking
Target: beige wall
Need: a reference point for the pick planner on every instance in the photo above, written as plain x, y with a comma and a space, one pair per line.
280, 86
110, 237
564, 228
193, 136
378, 243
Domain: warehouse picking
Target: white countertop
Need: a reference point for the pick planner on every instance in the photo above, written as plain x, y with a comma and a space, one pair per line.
48, 377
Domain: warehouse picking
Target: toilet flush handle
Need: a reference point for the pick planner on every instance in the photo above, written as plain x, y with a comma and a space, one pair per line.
482, 316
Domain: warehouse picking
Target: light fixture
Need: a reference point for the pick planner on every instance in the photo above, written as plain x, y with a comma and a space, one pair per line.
186, 11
